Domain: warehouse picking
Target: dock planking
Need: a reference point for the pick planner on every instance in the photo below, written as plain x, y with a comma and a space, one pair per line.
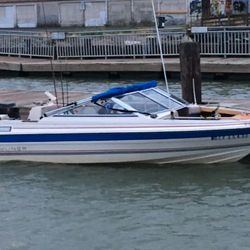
27, 99
17, 103
208, 65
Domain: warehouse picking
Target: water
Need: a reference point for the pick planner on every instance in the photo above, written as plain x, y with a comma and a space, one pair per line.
125, 207
235, 89
74, 207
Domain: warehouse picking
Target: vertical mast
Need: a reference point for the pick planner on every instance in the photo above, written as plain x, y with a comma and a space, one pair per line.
160, 47
51, 62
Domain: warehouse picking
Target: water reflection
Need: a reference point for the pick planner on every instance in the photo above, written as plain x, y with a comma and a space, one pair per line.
118, 207
235, 89
132, 207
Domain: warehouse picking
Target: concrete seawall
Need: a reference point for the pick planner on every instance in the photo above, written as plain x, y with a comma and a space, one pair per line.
208, 65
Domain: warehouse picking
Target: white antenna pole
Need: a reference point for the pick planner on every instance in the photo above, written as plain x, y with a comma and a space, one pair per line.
160, 47
194, 92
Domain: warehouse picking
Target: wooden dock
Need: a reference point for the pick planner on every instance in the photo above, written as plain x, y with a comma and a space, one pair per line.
208, 65
27, 98
18, 103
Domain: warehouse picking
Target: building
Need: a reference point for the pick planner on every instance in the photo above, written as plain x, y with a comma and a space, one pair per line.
91, 13
61, 13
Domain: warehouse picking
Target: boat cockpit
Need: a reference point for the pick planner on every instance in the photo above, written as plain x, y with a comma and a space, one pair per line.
137, 100
143, 99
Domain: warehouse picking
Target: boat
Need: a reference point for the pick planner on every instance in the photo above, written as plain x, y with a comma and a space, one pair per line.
140, 123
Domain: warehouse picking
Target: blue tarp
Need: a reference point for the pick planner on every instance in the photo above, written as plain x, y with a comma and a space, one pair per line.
123, 90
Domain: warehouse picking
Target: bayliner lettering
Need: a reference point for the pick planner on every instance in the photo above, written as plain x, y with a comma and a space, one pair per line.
230, 137
13, 149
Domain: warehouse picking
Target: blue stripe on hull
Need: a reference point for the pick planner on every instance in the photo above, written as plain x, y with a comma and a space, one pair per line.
242, 132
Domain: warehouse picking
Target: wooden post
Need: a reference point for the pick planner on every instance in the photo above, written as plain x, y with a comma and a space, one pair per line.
190, 71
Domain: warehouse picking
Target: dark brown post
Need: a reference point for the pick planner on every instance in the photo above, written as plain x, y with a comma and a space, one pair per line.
190, 71
205, 9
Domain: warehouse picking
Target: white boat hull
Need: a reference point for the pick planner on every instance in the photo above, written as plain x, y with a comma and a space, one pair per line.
161, 151
206, 157
136, 123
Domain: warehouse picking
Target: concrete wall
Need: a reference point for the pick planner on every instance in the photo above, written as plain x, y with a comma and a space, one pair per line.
174, 6
26, 16
89, 12
142, 12
126, 12
119, 12
20, 15
48, 14
7, 16
95, 14
71, 14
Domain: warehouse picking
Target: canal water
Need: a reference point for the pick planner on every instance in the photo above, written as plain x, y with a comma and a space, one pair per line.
125, 207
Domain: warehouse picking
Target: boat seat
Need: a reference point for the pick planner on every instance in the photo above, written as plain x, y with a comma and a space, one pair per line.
7, 105
192, 110
4, 117
37, 112
242, 117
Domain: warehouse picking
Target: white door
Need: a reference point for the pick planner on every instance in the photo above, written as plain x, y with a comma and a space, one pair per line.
95, 14
7, 17
26, 16
71, 14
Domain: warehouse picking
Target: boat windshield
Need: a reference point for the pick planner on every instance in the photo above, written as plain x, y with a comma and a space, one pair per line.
152, 101
104, 107
141, 103
162, 97
148, 101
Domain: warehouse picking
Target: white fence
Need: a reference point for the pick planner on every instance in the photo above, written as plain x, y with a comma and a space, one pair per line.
29, 44
224, 43
126, 44
118, 45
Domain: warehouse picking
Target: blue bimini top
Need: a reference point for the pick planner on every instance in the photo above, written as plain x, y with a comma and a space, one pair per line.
123, 90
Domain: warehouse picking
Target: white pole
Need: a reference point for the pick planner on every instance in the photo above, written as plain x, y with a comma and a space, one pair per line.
160, 47
194, 92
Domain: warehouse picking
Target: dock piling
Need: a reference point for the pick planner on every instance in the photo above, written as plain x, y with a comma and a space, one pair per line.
190, 71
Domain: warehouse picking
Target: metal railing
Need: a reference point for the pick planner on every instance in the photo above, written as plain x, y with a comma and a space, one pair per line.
224, 43
126, 44
25, 45
118, 45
